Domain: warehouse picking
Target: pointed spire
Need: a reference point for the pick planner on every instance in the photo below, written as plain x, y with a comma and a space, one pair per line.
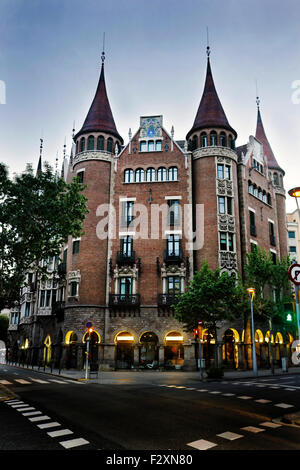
100, 117
210, 112
261, 136
39, 168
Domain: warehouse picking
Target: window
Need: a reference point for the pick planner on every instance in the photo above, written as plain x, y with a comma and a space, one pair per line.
100, 142
139, 175
229, 205
275, 179
213, 138
173, 245
293, 249
48, 297
227, 172
253, 247
195, 142
203, 139
250, 187
73, 289
264, 197
109, 144
230, 242
91, 142
42, 298
252, 223
127, 212
260, 194
150, 174
292, 234
143, 146
223, 139
126, 245
174, 212
273, 256
173, 173
221, 205
151, 146
223, 241
128, 176
173, 285
82, 144
272, 233
220, 171
27, 309
80, 175
76, 245
162, 174
255, 191
125, 286
158, 145
269, 199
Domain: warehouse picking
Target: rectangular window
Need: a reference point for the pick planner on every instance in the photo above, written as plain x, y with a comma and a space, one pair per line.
76, 245
74, 289
80, 176
174, 212
230, 242
273, 257
292, 234
48, 297
221, 205
229, 205
223, 241
27, 309
220, 171
272, 234
252, 223
253, 247
127, 212
293, 249
126, 245
173, 285
125, 285
227, 172
173, 245
42, 298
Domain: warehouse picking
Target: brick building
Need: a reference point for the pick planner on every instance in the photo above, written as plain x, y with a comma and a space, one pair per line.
168, 205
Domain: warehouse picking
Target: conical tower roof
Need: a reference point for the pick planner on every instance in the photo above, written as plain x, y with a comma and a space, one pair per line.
210, 112
261, 136
100, 117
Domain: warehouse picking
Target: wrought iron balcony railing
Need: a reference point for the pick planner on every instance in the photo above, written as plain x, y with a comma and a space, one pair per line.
124, 300
167, 300
175, 256
125, 258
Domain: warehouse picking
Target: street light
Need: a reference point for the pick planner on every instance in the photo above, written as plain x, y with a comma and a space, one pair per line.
251, 292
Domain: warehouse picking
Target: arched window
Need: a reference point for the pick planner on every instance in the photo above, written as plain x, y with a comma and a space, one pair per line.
213, 138
265, 197
173, 173
281, 180
255, 191
143, 146
158, 145
151, 146
150, 174
260, 193
109, 144
77, 146
275, 179
223, 142
82, 144
91, 142
162, 174
269, 199
100, 142
195, 142
250, 187
128, 176
203, 139
139, 175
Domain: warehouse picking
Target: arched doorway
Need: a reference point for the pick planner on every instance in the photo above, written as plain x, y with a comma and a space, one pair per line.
94, 341
148, 357
124, 350
174, 352
230, 348
2, 352
71, 342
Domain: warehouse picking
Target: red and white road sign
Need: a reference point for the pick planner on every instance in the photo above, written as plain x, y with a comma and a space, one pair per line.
294, 273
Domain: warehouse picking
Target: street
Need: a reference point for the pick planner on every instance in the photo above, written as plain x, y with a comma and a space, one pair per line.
56, 413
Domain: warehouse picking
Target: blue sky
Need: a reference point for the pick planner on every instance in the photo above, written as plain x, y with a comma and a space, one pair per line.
155, 64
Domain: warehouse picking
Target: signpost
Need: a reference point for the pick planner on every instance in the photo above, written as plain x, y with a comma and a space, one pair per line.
294, 275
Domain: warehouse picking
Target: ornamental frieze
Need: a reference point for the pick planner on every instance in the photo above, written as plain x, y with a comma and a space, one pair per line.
93, 155
224, 152
228, 260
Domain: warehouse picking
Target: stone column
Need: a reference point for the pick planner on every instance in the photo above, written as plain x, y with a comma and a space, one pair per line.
136, 356
161, 355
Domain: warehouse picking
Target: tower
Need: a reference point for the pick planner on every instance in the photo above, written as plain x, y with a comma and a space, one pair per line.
276, 174
212, 143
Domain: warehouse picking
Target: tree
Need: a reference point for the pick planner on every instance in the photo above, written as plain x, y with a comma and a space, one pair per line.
211, 297
37, 214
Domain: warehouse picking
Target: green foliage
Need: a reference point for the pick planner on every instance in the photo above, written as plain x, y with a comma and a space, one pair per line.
4, 322
37, 214
211, 296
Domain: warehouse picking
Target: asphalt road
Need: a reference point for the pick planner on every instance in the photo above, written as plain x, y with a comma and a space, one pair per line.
58, 414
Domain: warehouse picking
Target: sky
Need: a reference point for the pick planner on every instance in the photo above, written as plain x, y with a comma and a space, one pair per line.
50, 59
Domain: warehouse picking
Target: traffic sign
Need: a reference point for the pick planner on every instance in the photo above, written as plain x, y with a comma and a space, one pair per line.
89, 324
294, 273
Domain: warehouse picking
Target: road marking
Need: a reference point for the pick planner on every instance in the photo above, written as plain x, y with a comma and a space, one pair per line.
215, 392
284, 405
269, 424
39, 418
202, 444
228, 394
290, 389
39, 381
60, 432
231, 436
58, 381
262, 400
18, 405
191, 388
5, 382
48, 425
244, 397
22, 381
202, 390
32, 413
13, 402
74, 443
253, 429
180, 387
27, 408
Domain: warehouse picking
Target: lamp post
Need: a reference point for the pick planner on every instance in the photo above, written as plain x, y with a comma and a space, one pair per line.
251, 292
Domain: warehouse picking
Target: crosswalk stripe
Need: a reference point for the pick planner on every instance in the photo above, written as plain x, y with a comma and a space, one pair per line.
5, 382
253, 429
39, 418
26, 408
32, 413
202, 444
231, 436
54, 424
74, 443
22, 381
60, 432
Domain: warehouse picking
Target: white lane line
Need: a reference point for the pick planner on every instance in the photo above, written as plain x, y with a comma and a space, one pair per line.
181, 387
290, 389
39, 418
262, 400
231, 436
253, 429
202, 444
60, 432
269, 424
32, 413
54, 424
284, 405
74, 443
